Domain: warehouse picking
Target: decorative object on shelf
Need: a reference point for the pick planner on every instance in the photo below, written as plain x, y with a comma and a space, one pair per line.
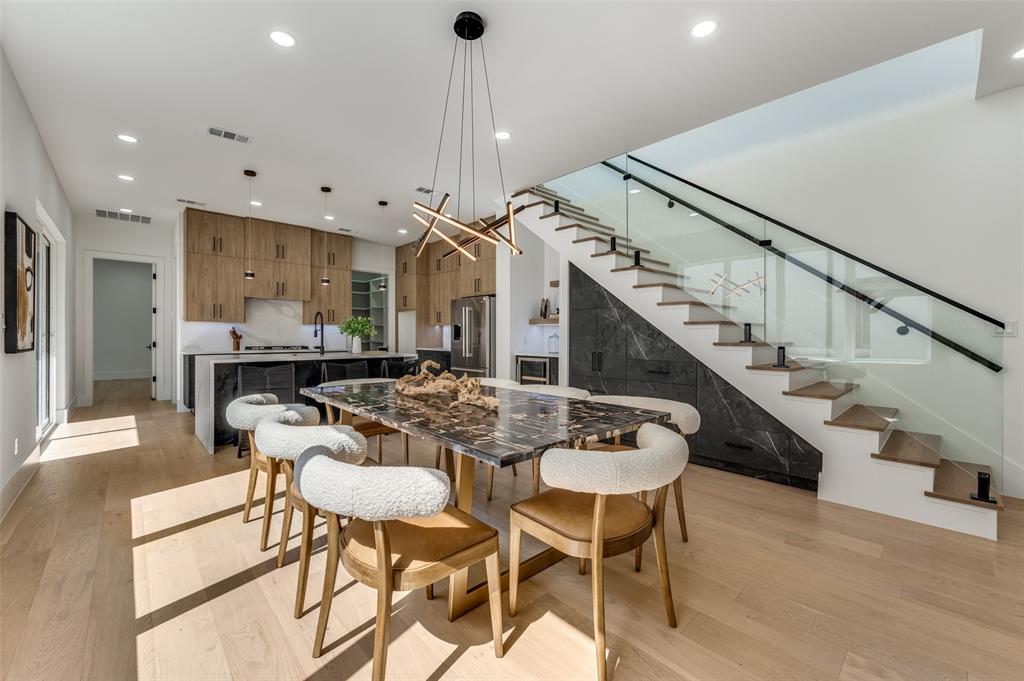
544, 308
249, 273
463, 390
325, 280
355, 328
469, 28
236, 340
19, 284
553, 344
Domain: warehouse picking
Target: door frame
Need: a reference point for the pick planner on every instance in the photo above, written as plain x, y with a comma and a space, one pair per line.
61, 399
89, 258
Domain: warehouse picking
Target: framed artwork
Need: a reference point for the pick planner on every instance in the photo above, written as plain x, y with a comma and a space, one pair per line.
19, 284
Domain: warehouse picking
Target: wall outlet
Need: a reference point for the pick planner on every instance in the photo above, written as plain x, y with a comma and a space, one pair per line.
1009, 332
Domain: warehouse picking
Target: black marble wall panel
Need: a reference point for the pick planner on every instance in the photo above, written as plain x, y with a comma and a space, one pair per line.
638, 359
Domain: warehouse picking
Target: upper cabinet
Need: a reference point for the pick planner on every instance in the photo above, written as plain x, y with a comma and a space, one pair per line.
406, 260
214, 233
213, 289
335, 249
275, 241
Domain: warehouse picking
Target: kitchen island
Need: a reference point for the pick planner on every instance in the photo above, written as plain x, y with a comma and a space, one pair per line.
217, 382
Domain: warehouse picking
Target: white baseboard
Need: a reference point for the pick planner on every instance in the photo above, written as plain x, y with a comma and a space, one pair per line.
64, 415
121, 375
18, 482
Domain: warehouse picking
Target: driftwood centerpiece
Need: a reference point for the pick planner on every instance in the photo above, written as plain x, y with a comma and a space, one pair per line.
463, 390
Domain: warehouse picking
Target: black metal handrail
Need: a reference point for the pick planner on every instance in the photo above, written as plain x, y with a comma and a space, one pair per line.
845, 254
860, 295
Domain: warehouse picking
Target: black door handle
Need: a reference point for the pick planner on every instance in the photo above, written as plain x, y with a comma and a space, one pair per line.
600, 361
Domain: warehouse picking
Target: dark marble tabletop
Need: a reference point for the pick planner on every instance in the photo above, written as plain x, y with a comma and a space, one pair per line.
524, 426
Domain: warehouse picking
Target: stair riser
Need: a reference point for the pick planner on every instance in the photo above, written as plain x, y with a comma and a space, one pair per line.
670, 295
652, 278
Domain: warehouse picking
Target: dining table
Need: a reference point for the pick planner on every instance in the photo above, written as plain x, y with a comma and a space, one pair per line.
521, 429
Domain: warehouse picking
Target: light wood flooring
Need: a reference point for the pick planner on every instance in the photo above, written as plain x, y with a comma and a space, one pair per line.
126, 558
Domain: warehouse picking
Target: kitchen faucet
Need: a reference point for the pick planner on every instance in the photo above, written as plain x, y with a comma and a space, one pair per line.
318, 320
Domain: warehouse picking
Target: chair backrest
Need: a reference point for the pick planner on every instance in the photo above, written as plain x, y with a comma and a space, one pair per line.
371, 493
245, 413
500, 382
284, 441
396, 368
340, 371
278, 379
660, 459
556, 390
684, 416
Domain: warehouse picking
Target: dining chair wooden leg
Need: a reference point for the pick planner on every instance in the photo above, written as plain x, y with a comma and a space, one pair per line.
582, 565
536, 476
268, 502
662, 555
437, 457
494, 595
430, 592
449, 464
330, 573
380, 449
405, 448
638, 561
286, 528
385, 582
677, 487
330, 414
515, 535
597, 568
305, 552
251, 490
515, 473
490, 482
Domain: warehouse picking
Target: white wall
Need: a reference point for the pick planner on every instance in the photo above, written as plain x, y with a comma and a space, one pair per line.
122, 319
522, 281
30, 186
932, 190
104, 238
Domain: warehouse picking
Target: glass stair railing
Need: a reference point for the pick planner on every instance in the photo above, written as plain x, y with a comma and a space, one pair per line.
919, 360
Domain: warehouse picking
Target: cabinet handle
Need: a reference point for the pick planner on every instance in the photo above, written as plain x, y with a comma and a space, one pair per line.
593, 361
282, 288
600, 360
214, 244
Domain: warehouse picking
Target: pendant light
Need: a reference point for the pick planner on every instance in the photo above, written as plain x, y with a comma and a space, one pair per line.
383, 285
325, 280
249, 274
469, 29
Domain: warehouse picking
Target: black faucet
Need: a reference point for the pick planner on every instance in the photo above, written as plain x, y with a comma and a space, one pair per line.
318, 320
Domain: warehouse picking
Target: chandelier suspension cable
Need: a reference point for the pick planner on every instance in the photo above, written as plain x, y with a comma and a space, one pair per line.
444, 118
462, 133
494, 129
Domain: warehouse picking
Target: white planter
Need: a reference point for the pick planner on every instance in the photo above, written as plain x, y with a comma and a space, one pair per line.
357, 345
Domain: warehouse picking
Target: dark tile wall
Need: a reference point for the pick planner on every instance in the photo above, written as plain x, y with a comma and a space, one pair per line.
615, 351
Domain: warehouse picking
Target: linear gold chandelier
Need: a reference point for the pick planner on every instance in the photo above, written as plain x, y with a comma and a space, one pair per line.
469, 29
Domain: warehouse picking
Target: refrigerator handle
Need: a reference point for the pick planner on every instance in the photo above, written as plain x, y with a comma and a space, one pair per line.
467, 333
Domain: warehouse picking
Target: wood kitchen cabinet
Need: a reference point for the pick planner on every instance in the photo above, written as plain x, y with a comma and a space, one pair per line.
214, 233
476, 278
444, 287
330, 250
278, 242
279, 281
214, 289
406, 262
334, 301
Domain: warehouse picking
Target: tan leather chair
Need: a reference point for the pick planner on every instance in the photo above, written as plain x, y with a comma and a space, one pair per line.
592, 512
403, 535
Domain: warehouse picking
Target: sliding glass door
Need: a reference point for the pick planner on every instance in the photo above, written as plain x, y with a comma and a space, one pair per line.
44, 340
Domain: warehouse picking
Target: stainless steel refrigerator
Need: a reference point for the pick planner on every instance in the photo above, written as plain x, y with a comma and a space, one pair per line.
473, 336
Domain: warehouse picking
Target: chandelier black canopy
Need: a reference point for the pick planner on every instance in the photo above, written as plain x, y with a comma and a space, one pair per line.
469, 30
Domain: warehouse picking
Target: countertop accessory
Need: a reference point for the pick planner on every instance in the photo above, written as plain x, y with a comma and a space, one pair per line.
236, 340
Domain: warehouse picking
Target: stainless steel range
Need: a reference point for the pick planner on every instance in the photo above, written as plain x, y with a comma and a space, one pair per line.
265, 348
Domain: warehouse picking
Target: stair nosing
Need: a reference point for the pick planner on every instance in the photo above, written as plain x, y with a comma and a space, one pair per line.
771, 367
998, 506
795, 392
834, 422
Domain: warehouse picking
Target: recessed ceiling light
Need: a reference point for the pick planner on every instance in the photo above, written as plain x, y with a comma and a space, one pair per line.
704, 29
1019, 54
403, 231
328, 217
126, 178
255, 203
125, 210
127, 138
693, 215
634, 191
502, 135
283, 39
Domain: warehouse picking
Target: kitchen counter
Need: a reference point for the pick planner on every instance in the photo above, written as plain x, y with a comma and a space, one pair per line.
216, 386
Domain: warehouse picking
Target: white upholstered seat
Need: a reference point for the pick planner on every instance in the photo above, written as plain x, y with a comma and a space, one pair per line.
244, 413
284, 441
684, 416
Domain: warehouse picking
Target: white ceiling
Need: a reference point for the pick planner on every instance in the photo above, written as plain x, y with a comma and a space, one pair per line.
357, 103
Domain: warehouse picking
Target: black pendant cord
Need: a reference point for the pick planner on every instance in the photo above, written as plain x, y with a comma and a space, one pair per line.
494, 129
248, 229
472, 137
462, 131
444, 118
323, 221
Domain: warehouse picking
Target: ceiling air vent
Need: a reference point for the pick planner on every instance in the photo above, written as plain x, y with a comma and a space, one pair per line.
345, 229
424, 190
190, 202
123, 217
228, 135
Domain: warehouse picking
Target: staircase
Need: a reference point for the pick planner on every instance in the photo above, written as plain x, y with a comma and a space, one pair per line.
870, 461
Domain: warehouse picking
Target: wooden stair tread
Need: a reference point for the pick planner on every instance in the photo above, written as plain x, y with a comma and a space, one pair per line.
651, 270
652, 261
603, 240
734, 344
863, 417
699, 322
579, 218
822, 390
904, 446
790, 366
956, 480
585, 228
693, 303
659, 284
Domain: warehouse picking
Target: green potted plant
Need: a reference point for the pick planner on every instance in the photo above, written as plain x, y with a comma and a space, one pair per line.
356, 328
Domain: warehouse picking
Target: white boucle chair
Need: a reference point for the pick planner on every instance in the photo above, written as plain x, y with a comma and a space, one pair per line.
593, 512
500, 382
284, 443
683, 416
244, 414
402, 535
551, 390
365, 426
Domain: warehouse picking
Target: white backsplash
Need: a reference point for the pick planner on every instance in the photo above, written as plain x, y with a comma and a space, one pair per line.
267, 322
